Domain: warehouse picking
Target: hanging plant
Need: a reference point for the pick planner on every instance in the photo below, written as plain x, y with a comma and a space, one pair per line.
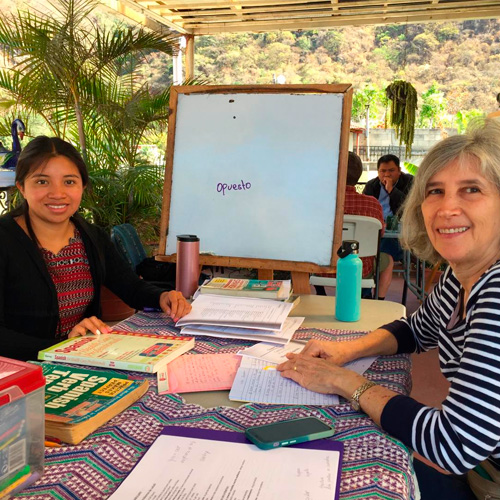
403, 98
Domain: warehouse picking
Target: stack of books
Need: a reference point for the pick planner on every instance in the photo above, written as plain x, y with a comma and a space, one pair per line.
263, 289
79, 400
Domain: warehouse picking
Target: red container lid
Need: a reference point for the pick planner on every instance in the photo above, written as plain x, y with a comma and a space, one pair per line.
17, 379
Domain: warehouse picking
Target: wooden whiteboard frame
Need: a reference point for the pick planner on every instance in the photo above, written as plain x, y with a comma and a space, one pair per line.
237, 261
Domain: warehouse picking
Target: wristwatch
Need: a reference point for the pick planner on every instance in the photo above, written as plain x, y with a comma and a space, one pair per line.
357, 394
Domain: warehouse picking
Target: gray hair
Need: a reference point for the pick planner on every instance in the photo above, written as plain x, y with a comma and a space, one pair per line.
481, 143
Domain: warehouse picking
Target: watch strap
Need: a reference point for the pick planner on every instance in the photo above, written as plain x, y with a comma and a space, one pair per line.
358, 393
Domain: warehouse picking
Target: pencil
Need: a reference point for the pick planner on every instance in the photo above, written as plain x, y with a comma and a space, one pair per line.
51, 444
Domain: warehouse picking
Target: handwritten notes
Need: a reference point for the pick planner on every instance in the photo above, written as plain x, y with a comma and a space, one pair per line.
222, 187
201, 372
257, 381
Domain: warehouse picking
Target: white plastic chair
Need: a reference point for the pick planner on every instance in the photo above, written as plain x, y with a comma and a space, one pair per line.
365, 230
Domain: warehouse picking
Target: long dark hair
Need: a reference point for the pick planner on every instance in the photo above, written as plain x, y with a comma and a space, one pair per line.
35, 155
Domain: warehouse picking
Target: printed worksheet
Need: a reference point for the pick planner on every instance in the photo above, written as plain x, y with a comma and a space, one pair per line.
182, 467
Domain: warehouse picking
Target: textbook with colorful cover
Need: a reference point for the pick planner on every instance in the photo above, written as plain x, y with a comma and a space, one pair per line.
79, 400
133, 351
264, 289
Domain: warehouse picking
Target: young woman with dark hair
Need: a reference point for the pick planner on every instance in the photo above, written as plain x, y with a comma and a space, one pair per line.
53, 262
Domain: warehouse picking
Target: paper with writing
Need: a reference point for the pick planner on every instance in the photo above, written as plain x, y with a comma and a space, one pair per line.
277, 354
222, 310
282, 336
271, 352
201, 372
180, 467
258, 381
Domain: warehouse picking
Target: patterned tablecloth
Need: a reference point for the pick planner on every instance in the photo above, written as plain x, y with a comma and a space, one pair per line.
376, 466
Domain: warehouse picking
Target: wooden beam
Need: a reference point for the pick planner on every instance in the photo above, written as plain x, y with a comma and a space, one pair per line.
290, 7
189, 56
218, 4
302, 11
334, 22
123, 5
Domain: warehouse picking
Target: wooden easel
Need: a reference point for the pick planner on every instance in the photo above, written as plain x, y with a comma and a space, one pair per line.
300, 270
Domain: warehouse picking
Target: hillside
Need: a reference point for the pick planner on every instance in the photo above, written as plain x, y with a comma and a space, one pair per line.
456, 64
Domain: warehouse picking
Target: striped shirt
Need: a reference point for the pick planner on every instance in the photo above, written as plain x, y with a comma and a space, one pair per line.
467, 428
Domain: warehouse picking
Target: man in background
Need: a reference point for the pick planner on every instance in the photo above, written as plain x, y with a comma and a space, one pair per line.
390, 187
359, 204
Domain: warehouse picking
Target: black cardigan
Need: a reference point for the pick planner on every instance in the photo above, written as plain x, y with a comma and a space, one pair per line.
29, 311
398, 194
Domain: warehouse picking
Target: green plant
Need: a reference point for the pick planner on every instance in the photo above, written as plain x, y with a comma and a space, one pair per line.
433, 107
411, 168
463, 117
86, 81
403, 98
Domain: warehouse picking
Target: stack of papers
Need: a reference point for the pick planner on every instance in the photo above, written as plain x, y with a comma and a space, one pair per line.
240, 318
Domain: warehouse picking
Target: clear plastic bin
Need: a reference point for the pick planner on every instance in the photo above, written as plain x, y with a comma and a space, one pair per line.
22, 425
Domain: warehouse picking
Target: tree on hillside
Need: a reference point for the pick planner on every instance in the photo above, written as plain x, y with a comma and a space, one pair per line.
433, 108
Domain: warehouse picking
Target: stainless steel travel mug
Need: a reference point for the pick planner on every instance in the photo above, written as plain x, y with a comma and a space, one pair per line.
188, 264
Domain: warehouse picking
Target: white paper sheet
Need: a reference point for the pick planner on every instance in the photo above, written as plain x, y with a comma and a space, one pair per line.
281, 337
272, 353
222, 310
177, 468
258, 381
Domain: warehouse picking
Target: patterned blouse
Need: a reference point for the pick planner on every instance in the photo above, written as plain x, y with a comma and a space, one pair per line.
70, 272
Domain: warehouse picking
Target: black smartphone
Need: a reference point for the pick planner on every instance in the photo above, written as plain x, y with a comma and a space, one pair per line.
288, 432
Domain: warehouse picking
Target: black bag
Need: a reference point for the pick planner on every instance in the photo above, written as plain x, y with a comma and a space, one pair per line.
154, 270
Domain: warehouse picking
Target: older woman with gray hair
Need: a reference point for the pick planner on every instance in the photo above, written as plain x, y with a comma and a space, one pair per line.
453, 214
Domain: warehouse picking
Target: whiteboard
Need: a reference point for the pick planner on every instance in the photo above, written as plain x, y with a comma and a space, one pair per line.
254, 175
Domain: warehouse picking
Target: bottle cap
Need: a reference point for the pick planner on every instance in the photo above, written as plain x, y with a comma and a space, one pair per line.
187, 237
348, 247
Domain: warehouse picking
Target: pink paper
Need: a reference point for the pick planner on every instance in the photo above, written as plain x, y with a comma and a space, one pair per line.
202, 372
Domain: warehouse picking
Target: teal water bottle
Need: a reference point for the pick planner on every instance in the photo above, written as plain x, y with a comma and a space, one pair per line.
349, 270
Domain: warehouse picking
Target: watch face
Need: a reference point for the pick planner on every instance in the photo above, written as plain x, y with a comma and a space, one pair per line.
355, 405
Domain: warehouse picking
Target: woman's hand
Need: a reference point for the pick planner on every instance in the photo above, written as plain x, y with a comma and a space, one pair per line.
320, 375
174, 304
93, 325
338, 353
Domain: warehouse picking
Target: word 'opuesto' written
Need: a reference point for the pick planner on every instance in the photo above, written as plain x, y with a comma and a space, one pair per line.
222, 187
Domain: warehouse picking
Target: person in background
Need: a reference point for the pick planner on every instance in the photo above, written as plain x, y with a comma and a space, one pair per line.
359, 204
53, 263
451, 214
390, 187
